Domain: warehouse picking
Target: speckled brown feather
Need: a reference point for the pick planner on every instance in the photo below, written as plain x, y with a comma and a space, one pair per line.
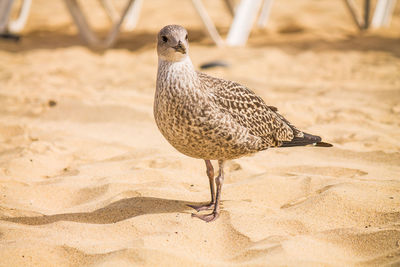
250, 111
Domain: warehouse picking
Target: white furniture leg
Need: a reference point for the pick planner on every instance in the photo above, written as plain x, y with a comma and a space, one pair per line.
110, 10
5, 9
265, 11
212, 31
383, 13
16, 26
243, 21
133, 14
87, 33
131, 17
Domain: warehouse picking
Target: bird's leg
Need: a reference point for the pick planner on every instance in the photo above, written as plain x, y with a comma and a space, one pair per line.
219, 181
210, 174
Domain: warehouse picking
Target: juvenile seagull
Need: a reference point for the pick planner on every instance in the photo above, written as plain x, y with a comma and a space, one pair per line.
213, 119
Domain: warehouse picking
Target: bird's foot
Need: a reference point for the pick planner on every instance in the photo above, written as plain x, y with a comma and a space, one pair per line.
198, 208
207, 217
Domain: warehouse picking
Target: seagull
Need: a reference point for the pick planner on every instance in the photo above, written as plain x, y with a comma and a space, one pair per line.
211, 118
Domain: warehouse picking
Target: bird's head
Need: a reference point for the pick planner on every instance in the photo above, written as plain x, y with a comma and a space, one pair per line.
172, 43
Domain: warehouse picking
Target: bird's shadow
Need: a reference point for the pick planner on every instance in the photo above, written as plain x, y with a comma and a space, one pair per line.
115, 212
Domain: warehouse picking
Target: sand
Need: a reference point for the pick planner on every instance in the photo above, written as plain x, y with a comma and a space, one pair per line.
86, 179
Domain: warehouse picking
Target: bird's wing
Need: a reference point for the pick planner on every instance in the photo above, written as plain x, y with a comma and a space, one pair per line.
250, 111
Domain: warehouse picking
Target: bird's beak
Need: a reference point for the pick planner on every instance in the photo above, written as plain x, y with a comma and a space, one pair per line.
180, 48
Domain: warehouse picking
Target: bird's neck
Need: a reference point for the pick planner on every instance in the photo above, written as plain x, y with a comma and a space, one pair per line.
173, 73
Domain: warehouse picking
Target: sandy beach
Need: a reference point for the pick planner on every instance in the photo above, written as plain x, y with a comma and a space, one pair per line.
86, 178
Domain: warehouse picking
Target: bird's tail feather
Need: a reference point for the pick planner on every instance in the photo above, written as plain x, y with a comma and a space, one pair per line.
307, 139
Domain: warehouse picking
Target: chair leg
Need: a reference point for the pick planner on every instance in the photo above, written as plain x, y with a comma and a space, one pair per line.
265, 11
245, 16
383, 13
5, 10
87, 33
17, 25
367, 8
132, 16
212, 31
356, 18
110, 10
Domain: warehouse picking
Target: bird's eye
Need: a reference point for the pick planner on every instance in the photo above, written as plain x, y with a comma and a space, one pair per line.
186, 37
164, 38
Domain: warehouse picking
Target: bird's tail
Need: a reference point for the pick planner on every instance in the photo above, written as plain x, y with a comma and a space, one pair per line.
307, 139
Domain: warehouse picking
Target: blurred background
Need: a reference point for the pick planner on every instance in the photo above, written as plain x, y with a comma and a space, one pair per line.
78, 142
287, 20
